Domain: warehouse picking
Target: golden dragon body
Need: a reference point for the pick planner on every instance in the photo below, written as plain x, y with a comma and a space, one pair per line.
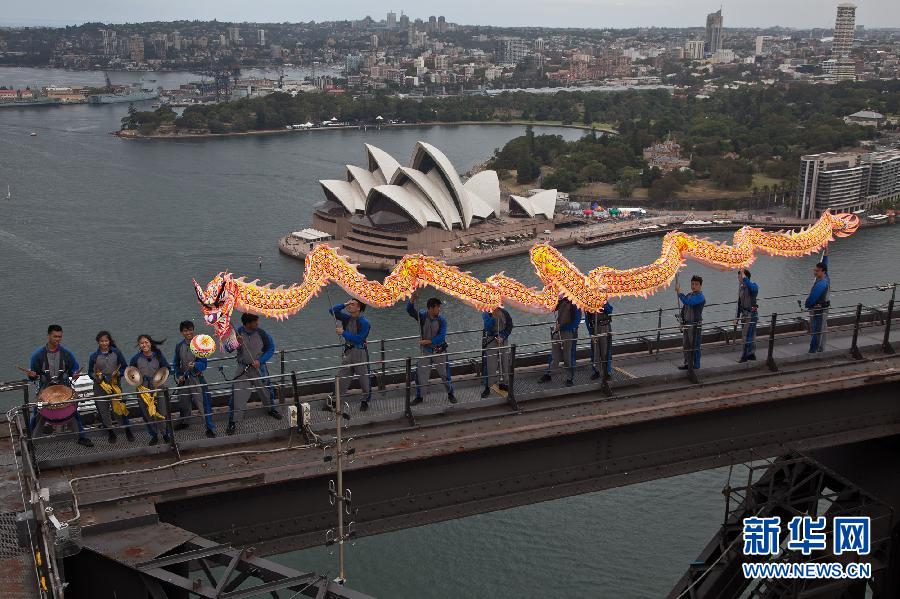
560, 277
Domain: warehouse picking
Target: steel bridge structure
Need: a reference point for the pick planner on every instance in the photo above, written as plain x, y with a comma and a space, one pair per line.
196, 516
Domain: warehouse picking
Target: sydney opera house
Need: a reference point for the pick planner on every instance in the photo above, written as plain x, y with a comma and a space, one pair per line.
383, 210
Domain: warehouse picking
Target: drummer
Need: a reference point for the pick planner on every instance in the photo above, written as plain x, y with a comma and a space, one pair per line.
148, 360
53, 364
105, 367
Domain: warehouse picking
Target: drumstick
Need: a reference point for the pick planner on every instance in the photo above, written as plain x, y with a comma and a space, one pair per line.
25, 370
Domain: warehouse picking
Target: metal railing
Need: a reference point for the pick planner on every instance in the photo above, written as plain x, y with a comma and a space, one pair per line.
291, 403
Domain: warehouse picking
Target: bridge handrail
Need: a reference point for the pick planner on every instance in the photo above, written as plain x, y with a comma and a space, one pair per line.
671, 331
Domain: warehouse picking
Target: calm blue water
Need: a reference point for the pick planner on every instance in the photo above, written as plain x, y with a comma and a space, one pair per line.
107, 233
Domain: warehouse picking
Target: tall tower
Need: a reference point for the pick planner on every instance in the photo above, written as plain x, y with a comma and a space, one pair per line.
714, 31
844, 27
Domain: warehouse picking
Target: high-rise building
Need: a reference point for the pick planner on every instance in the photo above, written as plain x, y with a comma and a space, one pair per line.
234, 34
513, 50
136, 48
693, 50
847, 182
442, 24
404, 22
539, 44
261, 37
714, 32
844, 28
762, 44
432, 24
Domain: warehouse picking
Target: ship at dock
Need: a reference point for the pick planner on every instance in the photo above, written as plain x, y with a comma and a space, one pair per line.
134, 93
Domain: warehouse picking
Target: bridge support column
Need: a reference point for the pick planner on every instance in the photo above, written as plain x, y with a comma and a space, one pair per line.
886, 346
854, 347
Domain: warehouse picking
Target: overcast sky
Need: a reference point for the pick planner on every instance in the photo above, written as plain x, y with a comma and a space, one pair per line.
551, 13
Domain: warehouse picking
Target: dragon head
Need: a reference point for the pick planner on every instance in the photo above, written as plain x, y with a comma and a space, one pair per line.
217, 303
845, 224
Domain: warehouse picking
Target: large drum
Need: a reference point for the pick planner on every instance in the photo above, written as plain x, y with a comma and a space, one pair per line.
53, 403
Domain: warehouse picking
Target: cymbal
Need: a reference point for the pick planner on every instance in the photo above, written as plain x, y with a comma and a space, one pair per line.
133, 376
159, 377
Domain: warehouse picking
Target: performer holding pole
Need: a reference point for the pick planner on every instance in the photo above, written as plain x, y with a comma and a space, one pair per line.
353, 329
691, 320
599, 324
747, 313
106, 367
498, 325
433, 344
818, 303
565, 336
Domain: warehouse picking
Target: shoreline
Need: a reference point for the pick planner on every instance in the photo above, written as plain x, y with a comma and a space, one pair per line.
127, 134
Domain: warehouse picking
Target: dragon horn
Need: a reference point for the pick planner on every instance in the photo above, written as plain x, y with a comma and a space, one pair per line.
199, 290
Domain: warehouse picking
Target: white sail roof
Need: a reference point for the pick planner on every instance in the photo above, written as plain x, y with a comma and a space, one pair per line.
429, 191
543, 203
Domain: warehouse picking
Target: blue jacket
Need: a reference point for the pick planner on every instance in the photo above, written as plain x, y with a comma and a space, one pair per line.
268, 344
692, 310
819, 288
199, 363
421, 316
490, 323
357, 340
93, 360
68, 362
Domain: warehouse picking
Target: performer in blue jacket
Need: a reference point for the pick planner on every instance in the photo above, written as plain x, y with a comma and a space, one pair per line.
354, 330
189, 371
818, 303
106, 366
53, 364
691, 321
433, 344
747, 313
565, 336
256, 348
148, 360
498, 325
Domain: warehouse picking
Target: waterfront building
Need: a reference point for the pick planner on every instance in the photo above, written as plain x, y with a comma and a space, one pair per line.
714, 32
382, 211
844, 28
847, 182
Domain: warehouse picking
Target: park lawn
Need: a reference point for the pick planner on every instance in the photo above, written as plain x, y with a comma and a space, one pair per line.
760, 181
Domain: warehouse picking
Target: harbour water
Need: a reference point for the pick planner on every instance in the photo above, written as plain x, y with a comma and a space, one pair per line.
106, 233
